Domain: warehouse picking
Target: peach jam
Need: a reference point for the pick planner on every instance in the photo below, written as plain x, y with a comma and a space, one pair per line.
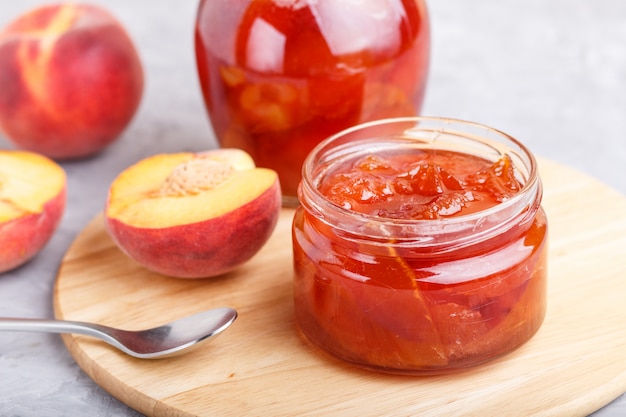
420, 245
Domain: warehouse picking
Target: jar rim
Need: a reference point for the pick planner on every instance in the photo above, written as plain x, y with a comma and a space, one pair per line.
487, 137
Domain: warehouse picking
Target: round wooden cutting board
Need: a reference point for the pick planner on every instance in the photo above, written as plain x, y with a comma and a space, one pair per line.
260, 366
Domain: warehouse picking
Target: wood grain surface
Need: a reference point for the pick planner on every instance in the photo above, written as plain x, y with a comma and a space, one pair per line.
261, 366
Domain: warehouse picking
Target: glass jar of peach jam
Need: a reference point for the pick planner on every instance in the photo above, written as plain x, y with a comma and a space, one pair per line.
279, 76
420, 245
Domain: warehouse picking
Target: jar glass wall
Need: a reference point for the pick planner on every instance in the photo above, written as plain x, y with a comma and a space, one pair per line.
436, 292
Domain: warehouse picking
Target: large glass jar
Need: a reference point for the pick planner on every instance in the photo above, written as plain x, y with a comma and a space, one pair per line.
420, 245
278, 76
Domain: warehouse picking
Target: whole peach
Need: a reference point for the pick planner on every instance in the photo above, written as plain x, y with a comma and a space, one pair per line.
32, 202
71, 80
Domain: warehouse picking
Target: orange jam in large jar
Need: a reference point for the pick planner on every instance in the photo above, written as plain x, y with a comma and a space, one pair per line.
279, 76
420, 245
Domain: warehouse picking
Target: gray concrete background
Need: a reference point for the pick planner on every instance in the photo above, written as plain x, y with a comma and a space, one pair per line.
550, 72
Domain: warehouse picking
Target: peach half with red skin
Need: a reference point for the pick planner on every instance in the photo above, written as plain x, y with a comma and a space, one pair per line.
32, 202
193, 215
70, 80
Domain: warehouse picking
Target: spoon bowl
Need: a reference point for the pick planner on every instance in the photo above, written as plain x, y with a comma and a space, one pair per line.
159, 342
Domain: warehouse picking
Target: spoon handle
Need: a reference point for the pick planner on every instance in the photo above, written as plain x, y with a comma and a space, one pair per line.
47, 326
57, 326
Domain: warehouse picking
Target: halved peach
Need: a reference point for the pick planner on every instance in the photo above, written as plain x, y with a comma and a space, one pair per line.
193, 215
32, 202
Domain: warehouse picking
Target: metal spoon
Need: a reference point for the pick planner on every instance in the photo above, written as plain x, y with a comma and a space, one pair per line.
166, 340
